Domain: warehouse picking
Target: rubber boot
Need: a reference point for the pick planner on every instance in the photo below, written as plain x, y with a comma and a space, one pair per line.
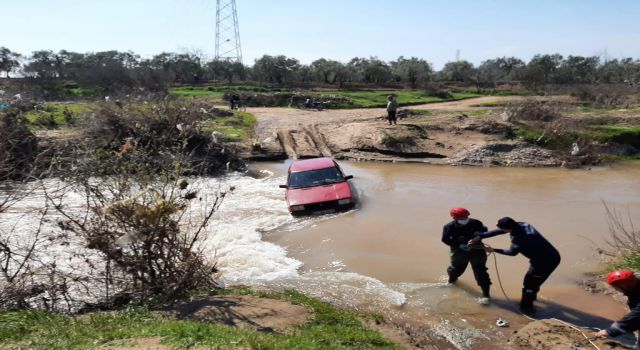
452, 279
486, 291
526, 303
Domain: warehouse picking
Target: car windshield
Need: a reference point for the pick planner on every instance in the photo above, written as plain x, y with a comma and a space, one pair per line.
315, 178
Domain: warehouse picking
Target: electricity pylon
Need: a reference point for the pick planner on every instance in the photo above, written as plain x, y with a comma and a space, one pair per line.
227, 32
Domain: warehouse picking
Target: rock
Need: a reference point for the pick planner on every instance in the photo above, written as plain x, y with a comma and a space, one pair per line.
507, 154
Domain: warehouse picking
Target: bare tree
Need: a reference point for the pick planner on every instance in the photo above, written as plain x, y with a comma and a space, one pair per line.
624, 236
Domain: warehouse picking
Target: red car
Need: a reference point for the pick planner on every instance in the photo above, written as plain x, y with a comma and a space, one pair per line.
318, 185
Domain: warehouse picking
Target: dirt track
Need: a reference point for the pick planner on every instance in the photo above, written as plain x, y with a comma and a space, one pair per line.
439, 136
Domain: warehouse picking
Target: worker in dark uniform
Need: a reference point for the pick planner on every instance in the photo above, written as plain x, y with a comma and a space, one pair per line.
456, 234
526, 240
626, 282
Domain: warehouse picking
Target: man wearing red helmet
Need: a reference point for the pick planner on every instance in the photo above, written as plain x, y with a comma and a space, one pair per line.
627, 283
456, 234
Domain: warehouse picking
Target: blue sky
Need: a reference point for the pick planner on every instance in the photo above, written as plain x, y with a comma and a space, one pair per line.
340, 30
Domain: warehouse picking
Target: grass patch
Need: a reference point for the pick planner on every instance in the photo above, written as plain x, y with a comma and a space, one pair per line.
358, 99
240, 127
392, 141
629, 261
218, 92
329, 329
378, 98
476, 112
563, 139
58, 115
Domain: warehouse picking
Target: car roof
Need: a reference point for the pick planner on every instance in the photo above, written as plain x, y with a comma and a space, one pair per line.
312, 164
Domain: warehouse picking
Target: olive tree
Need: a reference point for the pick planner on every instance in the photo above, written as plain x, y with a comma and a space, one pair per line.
9, 60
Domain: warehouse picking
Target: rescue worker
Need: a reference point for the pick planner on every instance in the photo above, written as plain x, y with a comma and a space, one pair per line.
525, 239
626, 282
456, 234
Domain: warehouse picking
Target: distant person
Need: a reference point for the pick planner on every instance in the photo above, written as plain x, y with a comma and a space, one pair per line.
525, 239
392, 109
307, 103
456, 234
234, 102
626, 282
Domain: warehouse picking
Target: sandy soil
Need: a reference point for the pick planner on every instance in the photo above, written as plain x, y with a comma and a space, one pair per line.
262, 314
441, 135
551, 335
269, 315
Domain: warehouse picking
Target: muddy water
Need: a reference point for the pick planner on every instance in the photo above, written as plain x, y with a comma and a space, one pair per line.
394, 236
387, 256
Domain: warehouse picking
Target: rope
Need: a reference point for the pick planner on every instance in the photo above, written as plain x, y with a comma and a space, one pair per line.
495, 262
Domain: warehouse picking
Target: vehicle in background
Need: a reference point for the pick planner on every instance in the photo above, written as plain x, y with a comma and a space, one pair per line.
318, 185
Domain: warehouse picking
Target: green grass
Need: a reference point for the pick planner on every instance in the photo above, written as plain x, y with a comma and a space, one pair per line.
629, 261
476, 112
217, 92
240, 127
330, 328
378, 98
359, 98
57, 115
599, 133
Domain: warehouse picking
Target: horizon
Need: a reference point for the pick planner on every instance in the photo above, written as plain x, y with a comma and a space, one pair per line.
387, 30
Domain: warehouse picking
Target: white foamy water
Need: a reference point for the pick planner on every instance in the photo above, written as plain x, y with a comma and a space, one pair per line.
233, 239
257, 206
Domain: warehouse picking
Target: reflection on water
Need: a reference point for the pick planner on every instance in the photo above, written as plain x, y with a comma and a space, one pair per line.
395, 235
387, 255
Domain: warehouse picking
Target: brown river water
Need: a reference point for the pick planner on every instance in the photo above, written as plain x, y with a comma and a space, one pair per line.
394, 237
386, 255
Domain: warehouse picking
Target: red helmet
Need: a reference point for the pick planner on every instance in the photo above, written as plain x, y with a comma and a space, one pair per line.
459, 213
622, 278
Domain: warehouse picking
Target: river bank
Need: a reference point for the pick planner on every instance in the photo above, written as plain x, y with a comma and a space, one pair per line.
385, 257
475, 131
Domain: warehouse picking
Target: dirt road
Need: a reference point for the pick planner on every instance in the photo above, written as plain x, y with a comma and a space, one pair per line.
439, 135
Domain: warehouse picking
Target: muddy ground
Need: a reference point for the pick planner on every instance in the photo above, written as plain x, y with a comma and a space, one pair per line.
270, 315
466, 132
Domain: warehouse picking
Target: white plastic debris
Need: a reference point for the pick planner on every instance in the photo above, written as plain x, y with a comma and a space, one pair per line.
575, 149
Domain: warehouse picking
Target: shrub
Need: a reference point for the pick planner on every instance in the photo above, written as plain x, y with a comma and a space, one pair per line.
18, 145
604, 96
46, 120
142, 227
160, 131
624, 239
532, 111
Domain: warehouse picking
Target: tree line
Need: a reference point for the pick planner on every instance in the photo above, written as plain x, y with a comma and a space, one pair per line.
116, 69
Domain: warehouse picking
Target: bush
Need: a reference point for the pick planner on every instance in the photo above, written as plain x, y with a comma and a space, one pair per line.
134, 221
18, 145
624, 239
46, 120
160, 131
532, 111
604, 96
